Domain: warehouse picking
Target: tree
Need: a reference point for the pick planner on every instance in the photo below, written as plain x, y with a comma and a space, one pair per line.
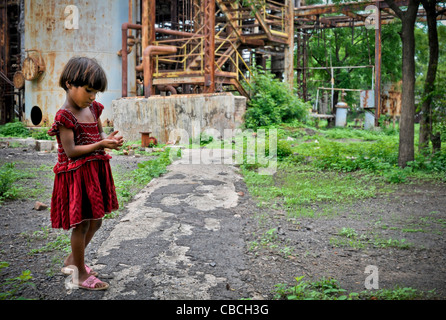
406, 150
426, 133
352, 47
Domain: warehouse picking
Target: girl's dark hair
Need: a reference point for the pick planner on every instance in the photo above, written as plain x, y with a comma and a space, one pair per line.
81, 71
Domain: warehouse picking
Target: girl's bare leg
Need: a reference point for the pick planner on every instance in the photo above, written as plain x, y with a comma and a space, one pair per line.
78, 250
94, 226
78, 244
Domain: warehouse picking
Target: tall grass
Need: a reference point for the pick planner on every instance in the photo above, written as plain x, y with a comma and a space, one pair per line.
337, 166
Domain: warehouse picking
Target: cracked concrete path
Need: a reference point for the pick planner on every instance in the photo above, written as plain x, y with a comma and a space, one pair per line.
182, 235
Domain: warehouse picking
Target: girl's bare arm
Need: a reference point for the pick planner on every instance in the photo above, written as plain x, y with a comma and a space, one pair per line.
74, 151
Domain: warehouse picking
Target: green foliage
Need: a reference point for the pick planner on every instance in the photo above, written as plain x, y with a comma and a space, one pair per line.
438, 104
340, 47
377, 153
62, 243
347, 157
17, 129
283, 149
329, 289
41, 134
127, 186
150, 169
324, 289
14, 129
272, 102
205, 139
9, 175
297, 187
335, 166
12, 286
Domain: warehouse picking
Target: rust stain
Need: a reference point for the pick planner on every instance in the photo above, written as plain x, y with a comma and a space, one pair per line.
365, 98
391, 103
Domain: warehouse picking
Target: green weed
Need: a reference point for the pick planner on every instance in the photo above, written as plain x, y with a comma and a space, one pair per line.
61, 243
14, 129
41, 134
8, 176
329, 289
348, 237
12, 286
324, 289
297, 186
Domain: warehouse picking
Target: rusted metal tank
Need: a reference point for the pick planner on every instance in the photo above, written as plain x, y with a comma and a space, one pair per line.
391, 103
55, 31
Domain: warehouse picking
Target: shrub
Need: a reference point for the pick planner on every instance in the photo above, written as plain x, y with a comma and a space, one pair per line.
14, 129
8, 175
283, 149
41, 134
272, 102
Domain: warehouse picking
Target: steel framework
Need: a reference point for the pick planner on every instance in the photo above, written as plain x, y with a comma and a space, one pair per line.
217, 41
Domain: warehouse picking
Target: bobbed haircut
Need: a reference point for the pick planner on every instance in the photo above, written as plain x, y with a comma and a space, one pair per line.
81, 71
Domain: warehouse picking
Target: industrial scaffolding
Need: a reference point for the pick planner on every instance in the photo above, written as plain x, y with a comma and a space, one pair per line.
206, 46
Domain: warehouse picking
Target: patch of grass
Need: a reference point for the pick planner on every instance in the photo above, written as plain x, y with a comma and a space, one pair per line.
14, 129
8, 176
348, 232
335, 166
10, 287
348, 237
61, 243
391, 243
18, 183
269, 240
329, 289
41, 134
296, 187
324, 289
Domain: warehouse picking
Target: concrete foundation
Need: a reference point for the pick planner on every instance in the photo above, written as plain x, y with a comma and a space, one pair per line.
171, 117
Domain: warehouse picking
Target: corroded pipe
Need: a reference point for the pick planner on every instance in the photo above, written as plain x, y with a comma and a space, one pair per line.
147, 64
169, 88
140, 67
125, 27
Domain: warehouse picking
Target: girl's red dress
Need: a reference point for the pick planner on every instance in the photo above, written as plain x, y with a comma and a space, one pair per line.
83, 187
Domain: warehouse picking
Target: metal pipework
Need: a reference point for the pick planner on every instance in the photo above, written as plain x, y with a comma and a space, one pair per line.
147, 64
124, 54
168, 88
140, 67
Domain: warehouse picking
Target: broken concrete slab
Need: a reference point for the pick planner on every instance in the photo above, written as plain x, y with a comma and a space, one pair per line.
174, 229
184, 116
45, 145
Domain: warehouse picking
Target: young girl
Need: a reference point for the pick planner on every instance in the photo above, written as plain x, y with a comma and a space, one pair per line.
83, 186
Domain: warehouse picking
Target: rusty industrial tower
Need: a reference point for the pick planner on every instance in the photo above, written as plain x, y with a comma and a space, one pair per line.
193, 46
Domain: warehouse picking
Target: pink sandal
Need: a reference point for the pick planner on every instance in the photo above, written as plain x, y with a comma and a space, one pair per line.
69, 271
90, 284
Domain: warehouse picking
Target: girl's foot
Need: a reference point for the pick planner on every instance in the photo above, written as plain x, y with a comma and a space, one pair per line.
92, 283
68, 270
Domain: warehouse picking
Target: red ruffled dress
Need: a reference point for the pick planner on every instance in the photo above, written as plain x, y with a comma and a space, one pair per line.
83, 187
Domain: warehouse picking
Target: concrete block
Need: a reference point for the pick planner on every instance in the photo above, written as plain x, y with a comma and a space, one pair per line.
28, 142
45, 145
184, 116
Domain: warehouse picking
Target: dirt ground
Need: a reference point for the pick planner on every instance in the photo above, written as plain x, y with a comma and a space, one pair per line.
415, 212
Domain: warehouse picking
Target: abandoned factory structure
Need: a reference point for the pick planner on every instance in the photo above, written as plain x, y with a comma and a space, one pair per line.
167, 52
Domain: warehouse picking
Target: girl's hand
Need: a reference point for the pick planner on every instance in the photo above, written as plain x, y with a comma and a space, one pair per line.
112, 141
